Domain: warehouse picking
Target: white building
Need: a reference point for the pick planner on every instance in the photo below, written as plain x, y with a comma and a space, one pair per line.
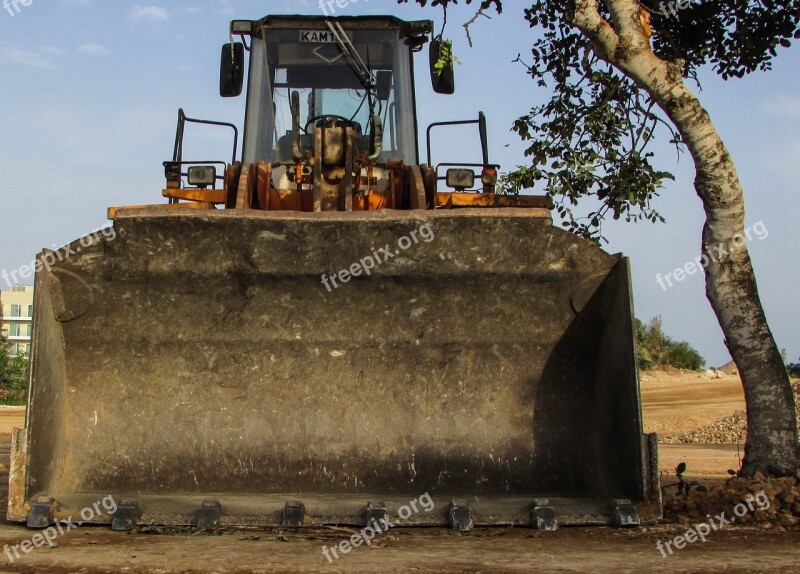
16, 317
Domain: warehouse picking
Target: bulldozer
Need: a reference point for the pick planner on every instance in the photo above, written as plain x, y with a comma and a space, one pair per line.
325, 328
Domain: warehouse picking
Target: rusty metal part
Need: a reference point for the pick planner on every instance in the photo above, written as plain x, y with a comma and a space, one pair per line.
298, 177
430, 180
199, 355
334, 165
336, 183
290, 200
111, 212
448, 199
370, 175
297, 151
416, 188
215, 196
247, 188
377, 138
264, 185
232, 175
409, 185
489, 186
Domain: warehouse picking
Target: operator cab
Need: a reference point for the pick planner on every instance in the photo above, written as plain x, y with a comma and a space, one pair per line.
331, 124
344, 73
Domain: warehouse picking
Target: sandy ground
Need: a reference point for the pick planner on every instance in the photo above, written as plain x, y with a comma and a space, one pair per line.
11, 417
680, 402
420, 551
672, 403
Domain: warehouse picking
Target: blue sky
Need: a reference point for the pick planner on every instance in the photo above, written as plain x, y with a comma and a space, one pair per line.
90, 92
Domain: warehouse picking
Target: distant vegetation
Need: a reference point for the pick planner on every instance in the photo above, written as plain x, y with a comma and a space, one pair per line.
794, 369
13, 376
655, 349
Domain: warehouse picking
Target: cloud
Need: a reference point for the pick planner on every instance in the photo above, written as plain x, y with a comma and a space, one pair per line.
93, 50
153, 14
32, 58
782, 105
52, 50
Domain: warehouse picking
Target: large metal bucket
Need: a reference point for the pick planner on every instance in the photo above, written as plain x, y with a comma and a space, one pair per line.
193, 357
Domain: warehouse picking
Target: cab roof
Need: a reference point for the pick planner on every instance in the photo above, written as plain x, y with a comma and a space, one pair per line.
417, 32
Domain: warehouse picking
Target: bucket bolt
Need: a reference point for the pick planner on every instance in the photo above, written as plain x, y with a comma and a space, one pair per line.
208, 515
294, 513
543, 515
460, 517
41, 514
373, 515
625, 513
126, 517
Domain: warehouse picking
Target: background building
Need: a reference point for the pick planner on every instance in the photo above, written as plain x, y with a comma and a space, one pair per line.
16, 317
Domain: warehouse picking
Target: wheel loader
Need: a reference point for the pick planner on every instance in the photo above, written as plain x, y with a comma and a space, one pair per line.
323, 328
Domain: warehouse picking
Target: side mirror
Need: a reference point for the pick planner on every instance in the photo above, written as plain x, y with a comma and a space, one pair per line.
443, 77
231, 70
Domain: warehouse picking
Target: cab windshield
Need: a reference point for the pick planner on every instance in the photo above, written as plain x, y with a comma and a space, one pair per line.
313, 63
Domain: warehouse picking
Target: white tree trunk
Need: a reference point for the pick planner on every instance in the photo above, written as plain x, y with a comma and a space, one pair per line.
772, 438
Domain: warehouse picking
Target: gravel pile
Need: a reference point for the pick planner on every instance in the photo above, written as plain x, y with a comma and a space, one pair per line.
728, 430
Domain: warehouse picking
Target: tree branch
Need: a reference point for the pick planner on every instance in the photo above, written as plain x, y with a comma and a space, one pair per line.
602, 36
628, 22
472, 21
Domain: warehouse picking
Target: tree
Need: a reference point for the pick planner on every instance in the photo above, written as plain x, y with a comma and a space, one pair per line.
793, 369
13, 375
618, 72
654, 348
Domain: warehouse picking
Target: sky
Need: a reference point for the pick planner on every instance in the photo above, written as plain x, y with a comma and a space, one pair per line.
90, 91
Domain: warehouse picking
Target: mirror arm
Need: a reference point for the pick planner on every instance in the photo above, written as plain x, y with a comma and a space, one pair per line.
296, 151
377, 138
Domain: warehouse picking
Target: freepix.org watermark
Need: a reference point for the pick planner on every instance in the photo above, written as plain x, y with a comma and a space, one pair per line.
366, 535
700, 531
50, 258
669, 7
49, 535
378, 257
711, 253
14, 7
329, 7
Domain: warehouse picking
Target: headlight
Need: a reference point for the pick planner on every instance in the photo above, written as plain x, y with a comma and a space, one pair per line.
202, 175
461, 178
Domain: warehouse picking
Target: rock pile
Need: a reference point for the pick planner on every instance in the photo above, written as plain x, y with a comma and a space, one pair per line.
727, 430
729, 369
769, 502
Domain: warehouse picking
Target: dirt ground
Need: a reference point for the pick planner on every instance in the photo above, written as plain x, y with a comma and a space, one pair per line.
681, 402
672, 403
